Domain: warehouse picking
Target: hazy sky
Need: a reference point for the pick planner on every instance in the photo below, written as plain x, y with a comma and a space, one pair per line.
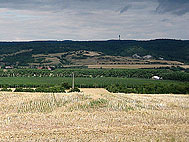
93, 19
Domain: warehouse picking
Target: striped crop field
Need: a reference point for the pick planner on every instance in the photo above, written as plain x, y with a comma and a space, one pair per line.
80, 81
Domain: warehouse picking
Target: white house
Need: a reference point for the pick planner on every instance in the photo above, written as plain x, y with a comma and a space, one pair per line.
156, 78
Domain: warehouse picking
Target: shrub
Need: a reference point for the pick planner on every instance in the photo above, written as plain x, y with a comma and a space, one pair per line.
66, 85
28, 90
7, 90
24, 90
55, 89
75, 90
18, 90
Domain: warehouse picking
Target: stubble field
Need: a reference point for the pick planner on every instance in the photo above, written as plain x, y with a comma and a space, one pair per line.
93, 115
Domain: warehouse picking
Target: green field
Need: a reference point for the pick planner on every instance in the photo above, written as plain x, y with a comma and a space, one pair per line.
80, 82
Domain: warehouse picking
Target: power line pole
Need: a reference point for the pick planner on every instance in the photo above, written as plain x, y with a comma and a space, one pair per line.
73, 81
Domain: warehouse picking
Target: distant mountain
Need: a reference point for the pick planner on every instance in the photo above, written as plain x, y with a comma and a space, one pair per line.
35, 52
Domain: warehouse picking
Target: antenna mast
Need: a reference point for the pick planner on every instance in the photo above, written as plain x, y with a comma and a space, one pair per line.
73, 81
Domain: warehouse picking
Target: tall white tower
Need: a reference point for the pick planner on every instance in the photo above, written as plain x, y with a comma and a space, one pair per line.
73, 81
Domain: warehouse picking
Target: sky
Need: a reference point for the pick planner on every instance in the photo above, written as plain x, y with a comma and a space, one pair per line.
22, 20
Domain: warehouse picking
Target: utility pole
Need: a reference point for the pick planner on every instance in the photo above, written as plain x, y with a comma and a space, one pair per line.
73, 81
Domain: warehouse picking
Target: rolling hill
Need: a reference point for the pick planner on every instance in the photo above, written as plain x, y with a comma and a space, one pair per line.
94, 52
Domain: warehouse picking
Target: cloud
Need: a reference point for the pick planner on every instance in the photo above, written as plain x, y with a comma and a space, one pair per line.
91, 19
51, 4
125, 9
178, 7
40, 5
59, 5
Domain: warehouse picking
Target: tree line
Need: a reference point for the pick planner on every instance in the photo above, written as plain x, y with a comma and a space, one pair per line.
150, 88
45, 89
165, 74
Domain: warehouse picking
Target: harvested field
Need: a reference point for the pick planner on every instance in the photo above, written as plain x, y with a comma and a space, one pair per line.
94, 59
93, 115
134, 66
185, 66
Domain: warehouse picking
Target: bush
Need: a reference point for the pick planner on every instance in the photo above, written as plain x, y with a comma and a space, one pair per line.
56, 89
24, 90
75, 90
7, 90
66, 85
18, 90
28, 90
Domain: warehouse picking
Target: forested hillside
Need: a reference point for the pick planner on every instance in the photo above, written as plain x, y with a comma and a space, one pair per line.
21, 53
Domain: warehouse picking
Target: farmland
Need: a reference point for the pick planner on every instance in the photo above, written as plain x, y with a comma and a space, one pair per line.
124, 52
105, 110
174, 80
167, 73
93, 115
80, 81
139, 66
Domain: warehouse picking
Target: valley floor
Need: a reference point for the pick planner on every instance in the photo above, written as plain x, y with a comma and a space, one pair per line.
93, 115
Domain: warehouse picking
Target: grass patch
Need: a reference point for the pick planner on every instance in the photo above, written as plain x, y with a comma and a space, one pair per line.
100, 103
120, 106
89, 105
42, 105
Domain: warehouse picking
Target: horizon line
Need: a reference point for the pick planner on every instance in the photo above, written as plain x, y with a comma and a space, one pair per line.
46, 40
